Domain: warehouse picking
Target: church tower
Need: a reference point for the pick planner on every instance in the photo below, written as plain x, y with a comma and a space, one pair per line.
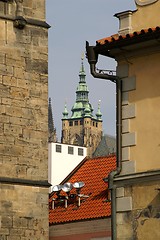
82, 128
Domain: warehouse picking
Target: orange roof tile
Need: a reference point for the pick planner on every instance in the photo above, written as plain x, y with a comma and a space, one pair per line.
150, 32
95, 206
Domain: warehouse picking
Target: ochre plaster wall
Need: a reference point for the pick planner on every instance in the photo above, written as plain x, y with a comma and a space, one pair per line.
146, 123
146, 17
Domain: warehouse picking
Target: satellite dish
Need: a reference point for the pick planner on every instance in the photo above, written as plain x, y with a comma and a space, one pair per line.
67, 187
78, 185
57, 188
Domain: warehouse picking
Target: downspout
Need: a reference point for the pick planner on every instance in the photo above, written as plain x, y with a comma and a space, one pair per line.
92, 59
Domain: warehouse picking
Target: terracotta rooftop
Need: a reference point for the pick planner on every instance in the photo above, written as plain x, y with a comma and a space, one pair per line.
91, 172
144, 33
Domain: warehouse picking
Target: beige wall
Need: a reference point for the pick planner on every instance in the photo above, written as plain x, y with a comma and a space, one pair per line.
146, 123
138, 194
146, 17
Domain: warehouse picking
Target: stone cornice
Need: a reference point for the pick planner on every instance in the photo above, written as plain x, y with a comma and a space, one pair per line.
137, 178
29, 21
25, 182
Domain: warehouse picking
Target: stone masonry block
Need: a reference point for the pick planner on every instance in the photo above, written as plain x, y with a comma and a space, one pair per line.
125, 126
125, 153
120, 192
6, 221
6, 101
128, 111
129, 84
4, 231
13, 61
124, 204
11, 33
19, 121
125, 98
14, 111
128, 139
128, 167
40, 66
2, 7
9, 80
18, 72
12, 129
6, 70
2, 58
18, 93
2, 32
123, 70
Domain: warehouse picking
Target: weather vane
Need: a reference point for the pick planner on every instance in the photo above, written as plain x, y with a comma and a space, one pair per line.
82, 57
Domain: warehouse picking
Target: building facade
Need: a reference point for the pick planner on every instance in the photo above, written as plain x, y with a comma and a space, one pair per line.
62, 159
82, 128
136, 211
23, 120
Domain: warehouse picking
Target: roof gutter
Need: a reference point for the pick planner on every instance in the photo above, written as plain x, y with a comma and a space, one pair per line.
92, 56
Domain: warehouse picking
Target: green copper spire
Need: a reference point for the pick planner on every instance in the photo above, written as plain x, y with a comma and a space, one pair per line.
82, 101
65, 112
99, 114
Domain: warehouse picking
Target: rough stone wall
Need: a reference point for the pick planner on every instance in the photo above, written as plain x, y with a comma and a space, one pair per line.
23, 122
143, 220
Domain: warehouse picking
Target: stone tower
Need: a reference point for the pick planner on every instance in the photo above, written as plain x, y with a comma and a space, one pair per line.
23, 120
82, 128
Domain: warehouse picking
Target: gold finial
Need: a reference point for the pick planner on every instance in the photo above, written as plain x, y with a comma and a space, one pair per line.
82, 57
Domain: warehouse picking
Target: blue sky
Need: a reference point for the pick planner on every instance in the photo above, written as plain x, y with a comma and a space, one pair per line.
72, 24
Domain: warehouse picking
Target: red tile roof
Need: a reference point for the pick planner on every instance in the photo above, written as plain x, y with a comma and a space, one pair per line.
91, 173
144, 33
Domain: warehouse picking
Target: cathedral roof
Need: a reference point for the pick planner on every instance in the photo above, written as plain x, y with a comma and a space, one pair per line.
106, 147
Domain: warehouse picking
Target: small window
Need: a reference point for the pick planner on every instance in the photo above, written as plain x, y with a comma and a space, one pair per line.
96, 124
80, 151
81, 122
70, 150
93, 124
58, 148
70, 123
76, 123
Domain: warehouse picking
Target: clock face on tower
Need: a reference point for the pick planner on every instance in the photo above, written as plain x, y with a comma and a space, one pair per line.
145, 2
